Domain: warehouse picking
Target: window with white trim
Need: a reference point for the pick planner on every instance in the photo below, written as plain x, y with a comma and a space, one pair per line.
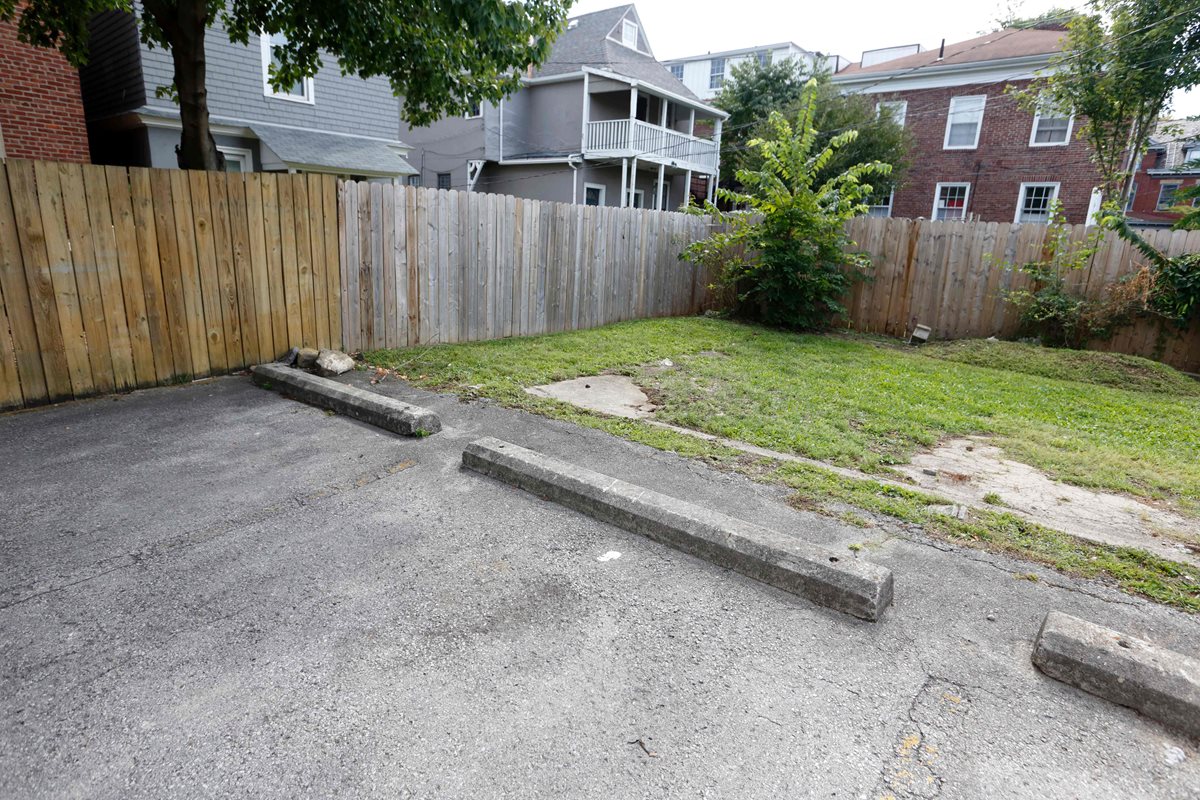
473, 111
1050, 128
677, 71
414, 180
593, 194
950, 201
1191, 156
716, 73
1035, 202
881, 205
1132, 197
1166, 196
964, 122
629, 34
237, 159
639, 198
896, 109
301, 91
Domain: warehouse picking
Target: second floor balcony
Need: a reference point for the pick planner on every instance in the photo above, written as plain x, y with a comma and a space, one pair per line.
625, 138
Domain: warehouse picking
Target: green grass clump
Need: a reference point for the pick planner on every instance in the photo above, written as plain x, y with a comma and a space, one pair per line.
1083, 366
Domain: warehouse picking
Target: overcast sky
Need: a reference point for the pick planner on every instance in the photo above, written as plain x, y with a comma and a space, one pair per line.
679, 28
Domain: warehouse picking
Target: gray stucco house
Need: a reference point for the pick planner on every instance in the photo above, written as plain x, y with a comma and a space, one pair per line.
329, 123
602, 122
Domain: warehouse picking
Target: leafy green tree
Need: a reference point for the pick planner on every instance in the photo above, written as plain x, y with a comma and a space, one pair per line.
1052, 18
442, 56
786, 254
1117, 72
755, 90
752, 92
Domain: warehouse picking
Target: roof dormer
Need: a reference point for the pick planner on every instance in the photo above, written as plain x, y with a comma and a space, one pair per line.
628, 32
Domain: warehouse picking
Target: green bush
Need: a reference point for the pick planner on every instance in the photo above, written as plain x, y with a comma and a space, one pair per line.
785, 250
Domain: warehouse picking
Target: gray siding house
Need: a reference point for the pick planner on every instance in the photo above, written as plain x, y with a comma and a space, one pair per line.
330, 123
602, 122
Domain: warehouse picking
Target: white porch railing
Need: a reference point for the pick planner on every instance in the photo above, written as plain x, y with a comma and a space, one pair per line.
625, 137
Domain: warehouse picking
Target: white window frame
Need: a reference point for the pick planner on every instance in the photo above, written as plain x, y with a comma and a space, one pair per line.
1037, 117
1191, 148
468, 115
269, 91
720, 78
937, 193
1158, 203
891, 203
638, 199
628, 25
950, 120
601, 187
241, 154
1021, 199
898, 117
1132, 197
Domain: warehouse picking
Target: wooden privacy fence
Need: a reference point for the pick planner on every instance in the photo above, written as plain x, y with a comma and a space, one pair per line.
951, 276
113, 278
432, 266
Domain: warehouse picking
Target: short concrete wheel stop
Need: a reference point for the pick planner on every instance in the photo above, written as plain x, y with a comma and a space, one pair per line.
818, 574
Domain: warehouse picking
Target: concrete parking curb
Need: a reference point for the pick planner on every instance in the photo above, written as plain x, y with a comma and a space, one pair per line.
823, 576
1160, 683
370, 407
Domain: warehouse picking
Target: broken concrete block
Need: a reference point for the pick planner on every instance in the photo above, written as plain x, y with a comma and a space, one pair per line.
306, 357
333, 362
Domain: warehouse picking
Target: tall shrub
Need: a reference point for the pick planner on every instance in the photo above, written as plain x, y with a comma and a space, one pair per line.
784, 251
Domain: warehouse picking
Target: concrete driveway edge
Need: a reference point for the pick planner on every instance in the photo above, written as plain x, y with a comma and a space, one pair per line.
830, 579
1160, 683
374, 409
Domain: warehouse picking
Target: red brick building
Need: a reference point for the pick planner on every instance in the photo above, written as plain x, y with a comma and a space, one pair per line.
1171, 164
976, 152
41, 111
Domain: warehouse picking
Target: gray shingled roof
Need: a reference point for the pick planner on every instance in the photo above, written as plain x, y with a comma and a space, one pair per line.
340, 152
586, 44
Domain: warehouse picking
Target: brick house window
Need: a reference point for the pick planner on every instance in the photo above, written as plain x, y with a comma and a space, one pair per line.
964, 122
1191, 156
716, 73
950, 200
1166, 196
1050, 128
897, 109
880, 205
301, 91
1132, 197
443, 180
1035, 201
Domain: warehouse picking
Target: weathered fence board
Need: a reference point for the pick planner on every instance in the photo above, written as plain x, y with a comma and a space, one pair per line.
113, 278
436, 266
953, 276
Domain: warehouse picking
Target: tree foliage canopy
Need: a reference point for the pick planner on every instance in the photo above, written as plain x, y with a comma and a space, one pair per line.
756, 90
441, 56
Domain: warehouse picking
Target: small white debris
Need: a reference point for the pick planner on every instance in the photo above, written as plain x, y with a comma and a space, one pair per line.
991, 617
666, 362
1174, 756
611, 555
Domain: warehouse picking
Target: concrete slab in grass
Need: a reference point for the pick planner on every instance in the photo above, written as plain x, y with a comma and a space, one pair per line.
830, 579
375, 409
1160, 683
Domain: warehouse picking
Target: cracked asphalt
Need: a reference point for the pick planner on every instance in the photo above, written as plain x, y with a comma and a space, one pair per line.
212, 591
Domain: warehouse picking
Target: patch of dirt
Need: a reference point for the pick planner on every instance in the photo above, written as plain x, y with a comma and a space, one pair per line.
969, 469
616, 395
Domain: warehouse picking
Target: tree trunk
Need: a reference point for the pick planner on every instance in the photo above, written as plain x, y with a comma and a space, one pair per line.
185, 23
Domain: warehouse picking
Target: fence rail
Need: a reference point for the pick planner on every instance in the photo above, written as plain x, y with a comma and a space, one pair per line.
433, 266
951, 276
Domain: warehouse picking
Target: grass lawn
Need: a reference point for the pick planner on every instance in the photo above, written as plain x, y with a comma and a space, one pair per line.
1115, 423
